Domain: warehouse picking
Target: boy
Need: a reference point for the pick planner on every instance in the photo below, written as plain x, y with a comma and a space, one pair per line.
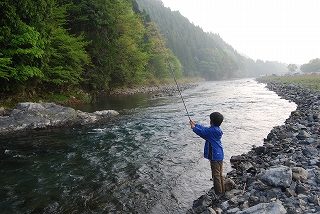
213, 149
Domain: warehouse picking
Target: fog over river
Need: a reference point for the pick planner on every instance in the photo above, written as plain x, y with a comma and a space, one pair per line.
146, 160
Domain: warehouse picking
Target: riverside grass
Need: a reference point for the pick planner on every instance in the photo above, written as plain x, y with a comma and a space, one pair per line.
306, 81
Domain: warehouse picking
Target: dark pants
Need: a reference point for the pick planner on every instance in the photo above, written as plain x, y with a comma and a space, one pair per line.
218, 183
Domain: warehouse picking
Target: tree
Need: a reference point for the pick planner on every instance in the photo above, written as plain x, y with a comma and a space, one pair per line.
115, 30
65, 53
158, 66
22, 47
37, 49
129, 57
312, 66
292, 67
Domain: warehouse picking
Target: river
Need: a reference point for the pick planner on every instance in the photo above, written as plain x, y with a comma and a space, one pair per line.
146, 160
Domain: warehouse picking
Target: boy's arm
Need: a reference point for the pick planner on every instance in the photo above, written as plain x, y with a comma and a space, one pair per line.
199, 129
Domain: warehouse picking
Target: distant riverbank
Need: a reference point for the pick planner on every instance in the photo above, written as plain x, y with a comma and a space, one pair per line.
158, 91
282, 176
31, 116
164, 90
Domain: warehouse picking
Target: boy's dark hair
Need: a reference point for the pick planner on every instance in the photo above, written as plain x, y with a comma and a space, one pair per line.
216, 118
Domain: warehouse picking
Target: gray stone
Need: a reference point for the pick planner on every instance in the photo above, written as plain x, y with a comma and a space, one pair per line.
203, 201
258, 185
260, 150
303, 135
290, 193
310, 152
31, 116
253, 200
234, 201
265, 208
278, 176
299, 174
310, 140
209, 211
302, 189
225, 205
233, 210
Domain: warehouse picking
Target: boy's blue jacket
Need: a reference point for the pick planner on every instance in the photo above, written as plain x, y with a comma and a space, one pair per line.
213, 149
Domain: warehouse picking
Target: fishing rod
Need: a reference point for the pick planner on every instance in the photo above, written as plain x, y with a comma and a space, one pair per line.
175, 80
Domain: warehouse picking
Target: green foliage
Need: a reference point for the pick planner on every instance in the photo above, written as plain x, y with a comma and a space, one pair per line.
162, 60
189, 43
129, 59
56, 46
116, 34
312, 66
174, 64
22, 49
65, 53
259, 67
37, 49
5, 68
292, 67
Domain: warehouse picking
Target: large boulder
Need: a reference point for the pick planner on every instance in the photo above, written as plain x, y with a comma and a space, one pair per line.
30, 116
278, 176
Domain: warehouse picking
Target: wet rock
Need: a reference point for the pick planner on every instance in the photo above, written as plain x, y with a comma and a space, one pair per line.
34, 116
203, 201
260, 150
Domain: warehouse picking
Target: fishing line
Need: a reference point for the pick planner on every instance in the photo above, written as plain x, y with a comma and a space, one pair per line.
175, 80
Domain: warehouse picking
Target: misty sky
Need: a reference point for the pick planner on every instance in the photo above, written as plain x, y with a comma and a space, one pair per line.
287, 31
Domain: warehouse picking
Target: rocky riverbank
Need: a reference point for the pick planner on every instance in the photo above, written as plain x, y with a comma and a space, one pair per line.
35, 116
157, 91
283, 175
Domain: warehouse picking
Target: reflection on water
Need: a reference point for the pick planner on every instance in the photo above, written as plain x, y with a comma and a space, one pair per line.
146, 160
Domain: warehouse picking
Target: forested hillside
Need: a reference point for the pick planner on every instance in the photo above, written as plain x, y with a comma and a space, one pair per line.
198, 53
70, 46
201, 53
53, 46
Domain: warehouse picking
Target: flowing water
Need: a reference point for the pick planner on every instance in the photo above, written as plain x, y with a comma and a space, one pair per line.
146, 160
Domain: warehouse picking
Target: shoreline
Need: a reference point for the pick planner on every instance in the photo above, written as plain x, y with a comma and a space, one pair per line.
164, 90
157, 91
283, 175
40, 116
27, 116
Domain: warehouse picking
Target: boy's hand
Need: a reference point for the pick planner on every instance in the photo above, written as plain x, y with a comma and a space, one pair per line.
192, 124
